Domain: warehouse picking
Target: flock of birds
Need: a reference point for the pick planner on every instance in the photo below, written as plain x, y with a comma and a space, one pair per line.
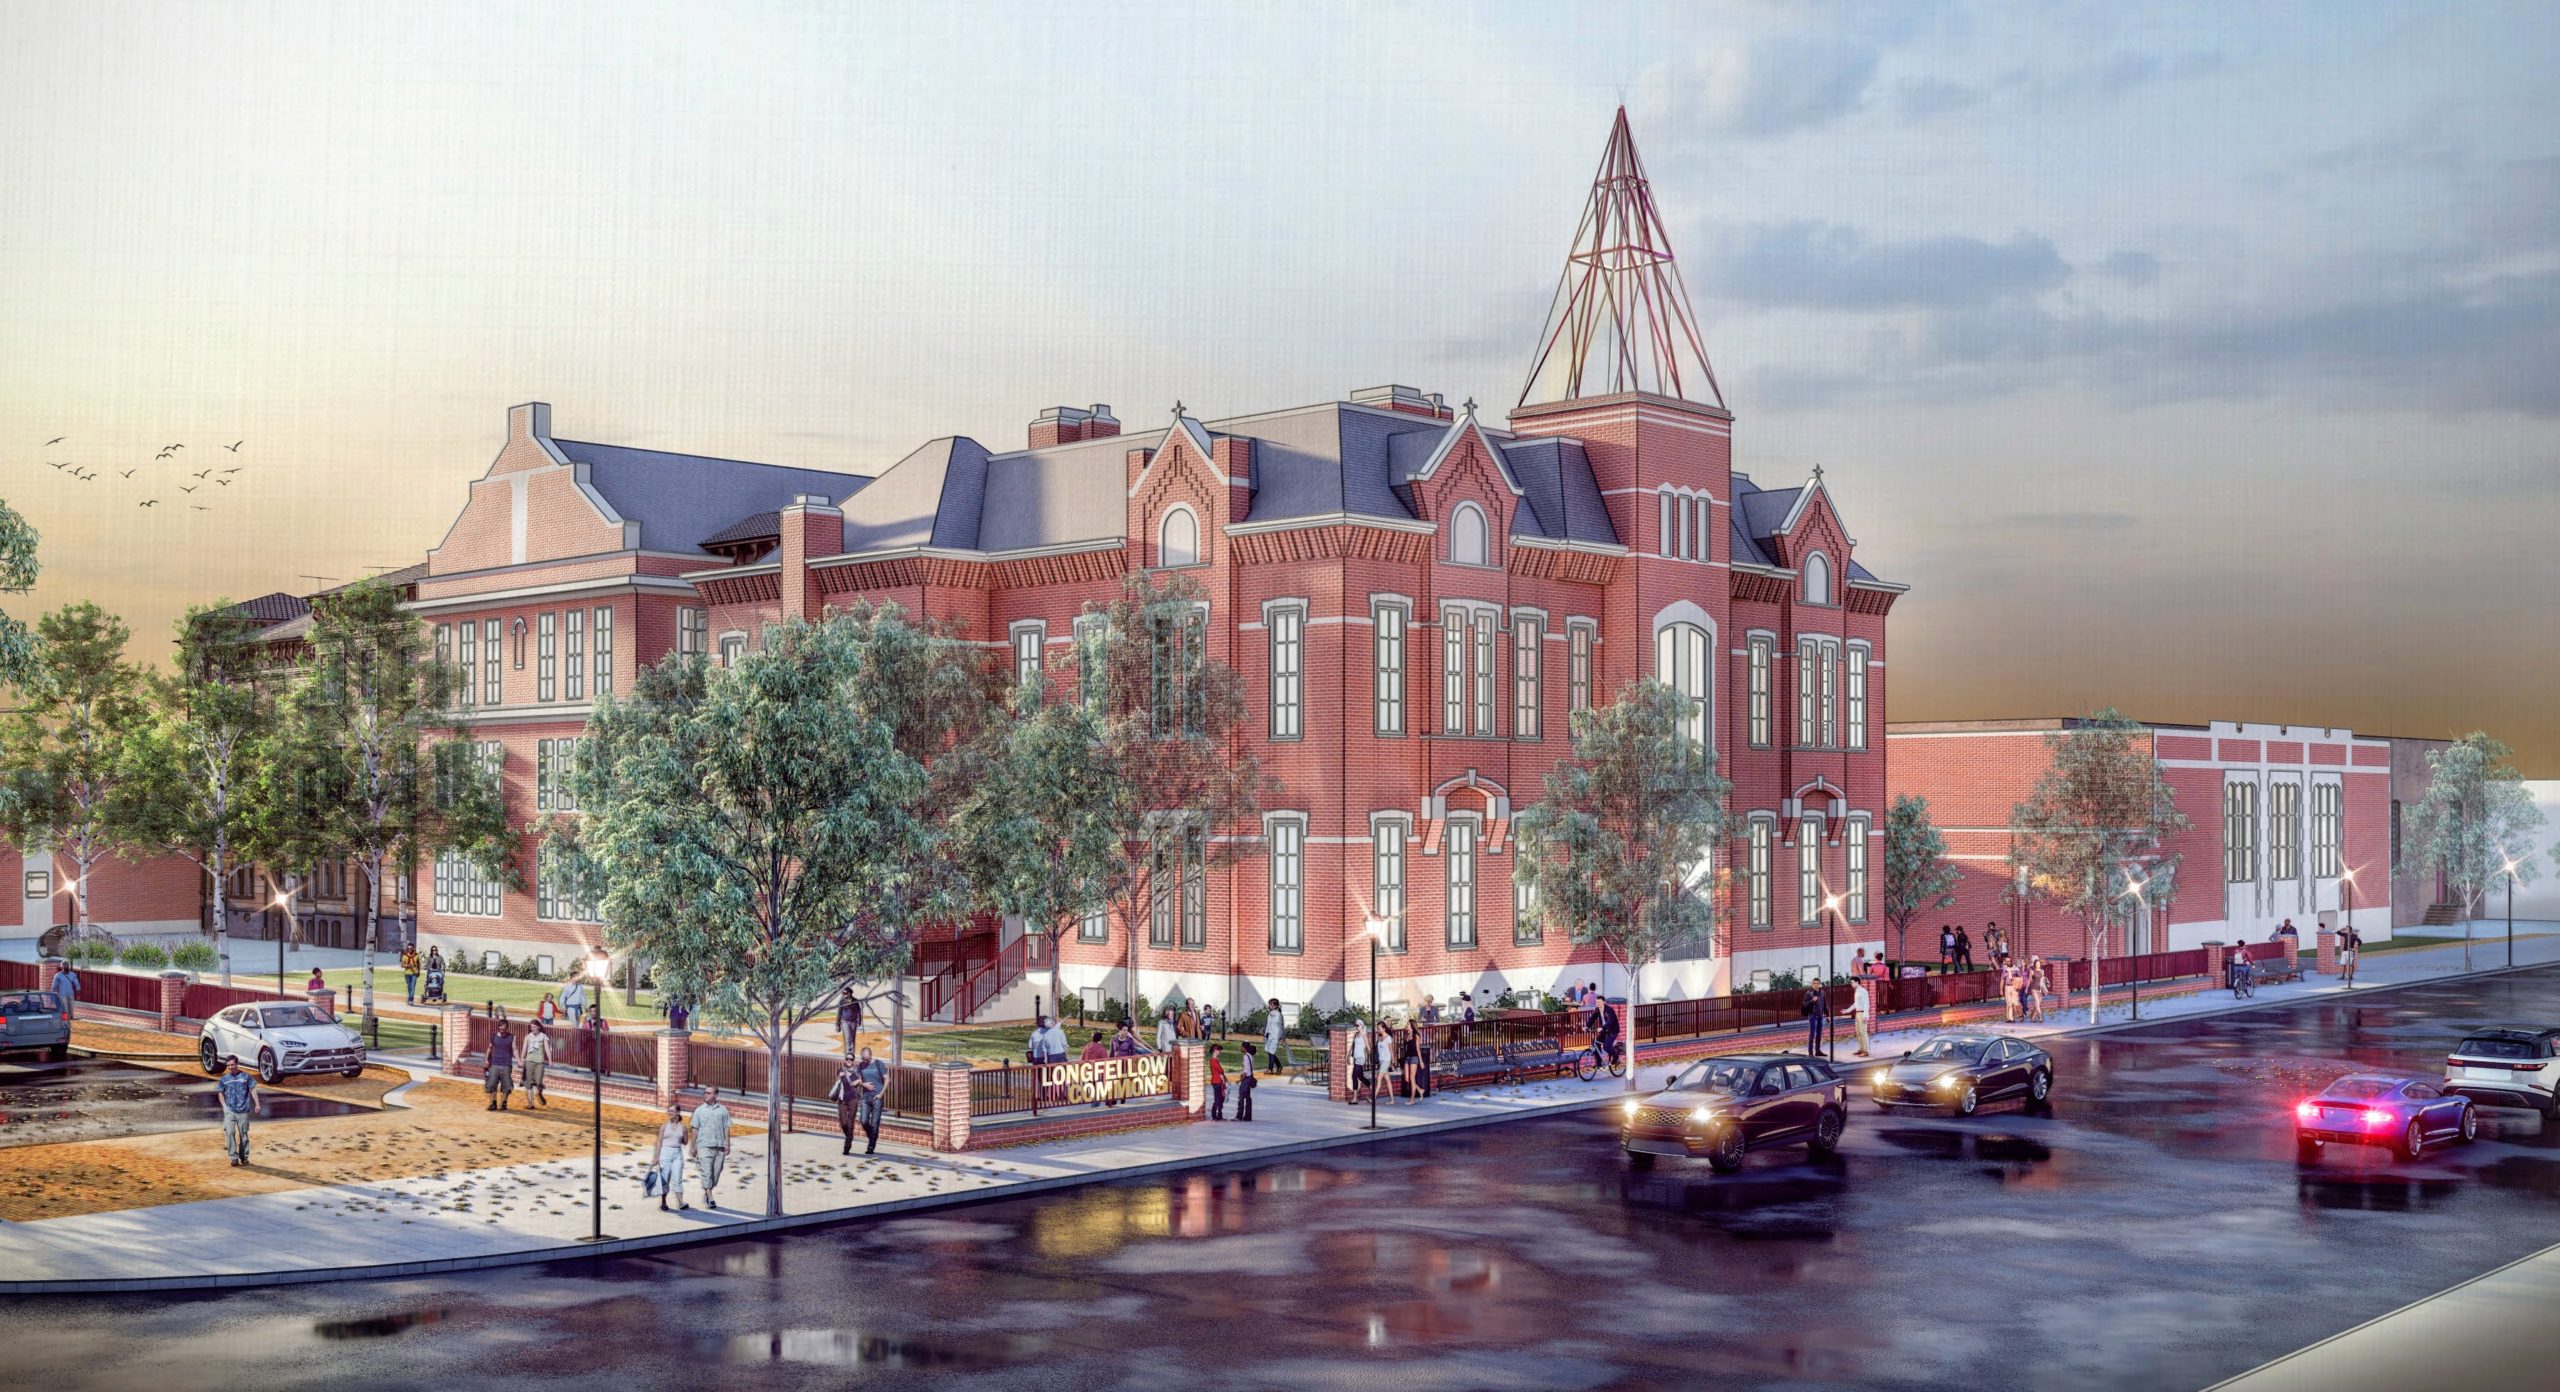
214, 476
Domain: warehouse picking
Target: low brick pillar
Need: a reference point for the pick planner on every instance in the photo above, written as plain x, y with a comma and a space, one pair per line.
2213, 962
325, 1000
1191, 1059
675, 1063
173, 998
457, 1033
46, 971
1337, 1085
2328, 952
951, 1105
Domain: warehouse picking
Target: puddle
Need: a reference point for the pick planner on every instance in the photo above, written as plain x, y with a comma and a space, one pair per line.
103, 1100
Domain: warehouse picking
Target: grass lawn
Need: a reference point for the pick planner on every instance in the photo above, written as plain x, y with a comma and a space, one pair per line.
990, 1044
519, 997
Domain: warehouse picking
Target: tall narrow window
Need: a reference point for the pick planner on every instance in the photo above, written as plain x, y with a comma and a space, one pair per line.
2284, 830
1829, 666
1528, 929
1288, 884
1028, 639
1578, 636
2240, 832
1288, 658
1180, 631
492, 655
553, 896
1386, 877
1817, 579
1195, 887
1178, 540
1094, 924
1756, 873
733, 649
1855, 843
1762, 657
573, 655
1809, 869
466, 664
1670, 525
1857, 694
1808, 653
1164, 885
546, 668
1387, 622
1462, 882
1680, 661
1528, 676
1468, 543
1453, 684
2327, 835
604, 651
1091, 632
1484, 671
693, 631
552, 762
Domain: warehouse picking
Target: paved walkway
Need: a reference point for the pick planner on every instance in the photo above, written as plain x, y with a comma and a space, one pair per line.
538, 1211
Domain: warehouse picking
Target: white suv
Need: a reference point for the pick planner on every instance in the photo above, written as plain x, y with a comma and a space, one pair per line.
278, 1038
2509, 1066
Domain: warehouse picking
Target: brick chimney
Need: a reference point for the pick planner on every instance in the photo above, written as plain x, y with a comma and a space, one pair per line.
1100, 424
1401, 398
812, 527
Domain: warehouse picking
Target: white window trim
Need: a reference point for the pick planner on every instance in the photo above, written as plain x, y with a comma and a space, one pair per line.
1809, 883
1400, 825
1856, 851
1381, 697
1276, 613
1484, 524
1582, 650
1199, 537
1273, 824
1473, 859
1816, 562
1035, 658
1759, 870
1856, 675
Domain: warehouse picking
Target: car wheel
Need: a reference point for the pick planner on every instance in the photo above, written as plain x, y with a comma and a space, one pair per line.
1726, 1157
2306, 1150
269, 1071
2470, 1125
2413, 1142
1966, 1103
1826, 1131
58, 1052
355, 1072
2040, 1087
209, 1056
1640, 1159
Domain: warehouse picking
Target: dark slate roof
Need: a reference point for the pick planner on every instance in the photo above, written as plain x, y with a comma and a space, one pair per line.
273, 608
1563, 502
755, 526
676, 498
1764, 510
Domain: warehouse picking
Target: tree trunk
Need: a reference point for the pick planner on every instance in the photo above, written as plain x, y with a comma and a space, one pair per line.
1635, 1000
1057, 1001
898, 1013
221, 916
774, 1036
2097, 963
372, 926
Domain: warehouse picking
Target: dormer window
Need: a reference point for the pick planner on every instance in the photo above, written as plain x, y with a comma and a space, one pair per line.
1817, 579
1468, 542
1178, 539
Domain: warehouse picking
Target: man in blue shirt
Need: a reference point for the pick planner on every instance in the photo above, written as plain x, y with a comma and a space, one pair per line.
66, 988
238, 1089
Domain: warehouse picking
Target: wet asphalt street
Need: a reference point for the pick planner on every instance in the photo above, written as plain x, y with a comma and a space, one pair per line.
2154, 1231
85, 1099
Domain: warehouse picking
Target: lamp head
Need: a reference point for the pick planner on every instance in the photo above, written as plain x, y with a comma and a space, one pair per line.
600, 967
1376, 928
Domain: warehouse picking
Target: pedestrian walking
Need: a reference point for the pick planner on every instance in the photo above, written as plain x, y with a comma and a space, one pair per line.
1048, 1043
1166, 1033
1858, 965
667, 1176
1995, 940
409, 965
1946, 948
1244, 1086
1390, 1061
1816, 1014
2013, 989
1425, 1044
1275, 1038
238, 1088
1862, 1006
573, 1000
537, 1064
711, 1144
499, 1078
1359, 1045
1217, 1088
846, 1093
66, 989
2349, 943
1409, 1063
1964, 950
546, 1012
2037, 985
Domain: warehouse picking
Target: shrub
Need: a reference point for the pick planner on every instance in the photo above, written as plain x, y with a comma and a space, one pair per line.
193, 956
1347, 1016
1311, 1022
96, 951
1786, 981
143, 956
1508, 1000
1551, 1003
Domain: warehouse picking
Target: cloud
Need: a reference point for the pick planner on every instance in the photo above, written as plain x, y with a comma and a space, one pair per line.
1764, 87
2132, 267
2065, 521
2105, 78
1830, 266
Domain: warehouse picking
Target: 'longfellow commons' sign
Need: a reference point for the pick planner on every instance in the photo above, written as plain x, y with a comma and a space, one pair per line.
1107, 1079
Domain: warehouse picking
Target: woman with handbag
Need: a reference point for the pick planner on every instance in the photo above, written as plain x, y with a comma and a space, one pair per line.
668, 1177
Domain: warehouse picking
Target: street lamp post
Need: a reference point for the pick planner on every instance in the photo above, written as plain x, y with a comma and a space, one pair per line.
2511, 911
600, 970
1830, 970
2134, 889
284, 902
2347, 879
1376, 932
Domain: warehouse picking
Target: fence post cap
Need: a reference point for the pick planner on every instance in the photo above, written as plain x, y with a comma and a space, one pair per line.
959, 1065
175, 975
674, 1034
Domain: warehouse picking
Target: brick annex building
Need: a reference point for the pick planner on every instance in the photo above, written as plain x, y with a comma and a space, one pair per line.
1416, 597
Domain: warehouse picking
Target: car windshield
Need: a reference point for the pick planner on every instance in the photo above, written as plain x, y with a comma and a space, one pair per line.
2362, 1087
1942, 1050
291, 1016
2497, 1048
1717, 1076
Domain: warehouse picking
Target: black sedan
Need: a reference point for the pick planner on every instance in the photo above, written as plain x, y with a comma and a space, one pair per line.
1721, 1107
1957, 1073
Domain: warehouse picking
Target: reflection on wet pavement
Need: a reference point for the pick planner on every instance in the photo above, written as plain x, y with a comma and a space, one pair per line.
2151, 1230
101, 1100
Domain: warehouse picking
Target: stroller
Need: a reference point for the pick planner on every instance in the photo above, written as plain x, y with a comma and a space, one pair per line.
434, 993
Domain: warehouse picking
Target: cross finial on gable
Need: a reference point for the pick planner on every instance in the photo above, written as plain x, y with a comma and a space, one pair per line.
1177, 410
1471, 406
1817, 476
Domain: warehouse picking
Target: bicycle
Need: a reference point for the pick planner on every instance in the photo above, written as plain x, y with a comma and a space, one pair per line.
1587, 1067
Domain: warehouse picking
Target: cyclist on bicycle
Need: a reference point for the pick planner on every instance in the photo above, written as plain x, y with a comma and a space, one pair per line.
1606, 1035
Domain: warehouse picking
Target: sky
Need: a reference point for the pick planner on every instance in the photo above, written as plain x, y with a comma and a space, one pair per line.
2201, 361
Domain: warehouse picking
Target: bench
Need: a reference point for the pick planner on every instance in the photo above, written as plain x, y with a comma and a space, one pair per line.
1470, 1063
1540, 1057
2270, 962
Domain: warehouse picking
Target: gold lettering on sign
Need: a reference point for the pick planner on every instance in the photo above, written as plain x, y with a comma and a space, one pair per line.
1107, 1079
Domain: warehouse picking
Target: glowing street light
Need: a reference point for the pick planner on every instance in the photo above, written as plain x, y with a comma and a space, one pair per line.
1830, 969
600, 970
1375, 930
2134, 889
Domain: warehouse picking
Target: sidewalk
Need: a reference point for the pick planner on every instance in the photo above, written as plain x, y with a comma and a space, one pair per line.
538, 1211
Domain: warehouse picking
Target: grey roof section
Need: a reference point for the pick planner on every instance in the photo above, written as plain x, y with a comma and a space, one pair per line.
678, 498
755, 526
1564, 502
1763, 510
274, 607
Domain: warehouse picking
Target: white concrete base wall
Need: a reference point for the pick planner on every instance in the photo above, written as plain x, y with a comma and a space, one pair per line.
2371, 920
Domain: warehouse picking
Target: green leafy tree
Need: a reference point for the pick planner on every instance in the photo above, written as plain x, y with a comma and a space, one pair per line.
1918, 878
1043, 829
758, 833
62, 759
2475, 820
2101, 805
18, 569
190, 775
1618, 847
1173, 734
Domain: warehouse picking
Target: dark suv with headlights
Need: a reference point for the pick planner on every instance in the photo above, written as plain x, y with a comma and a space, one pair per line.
1956, 1073
1719, 1108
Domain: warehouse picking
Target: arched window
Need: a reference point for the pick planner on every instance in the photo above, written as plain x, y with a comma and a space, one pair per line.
1817, 579
1467, 541
1681, 656
1178, 539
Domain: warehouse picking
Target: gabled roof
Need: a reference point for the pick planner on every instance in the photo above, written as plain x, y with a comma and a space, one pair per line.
273, 607
678, 499
755, 526
1560, 498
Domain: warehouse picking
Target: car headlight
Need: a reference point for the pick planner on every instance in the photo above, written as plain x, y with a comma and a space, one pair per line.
1629, 1108
1946, 1080
1703, 1115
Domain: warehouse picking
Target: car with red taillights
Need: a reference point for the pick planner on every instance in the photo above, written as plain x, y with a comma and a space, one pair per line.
2510, 1066
2406, 1114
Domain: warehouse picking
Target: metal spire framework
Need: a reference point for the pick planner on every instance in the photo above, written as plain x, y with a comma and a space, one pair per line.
1621, 320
